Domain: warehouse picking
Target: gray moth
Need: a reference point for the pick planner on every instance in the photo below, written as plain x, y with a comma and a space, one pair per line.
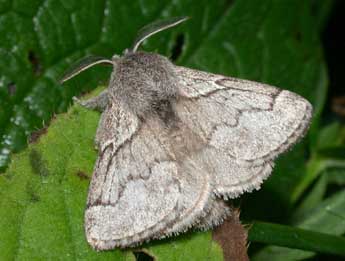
174, 143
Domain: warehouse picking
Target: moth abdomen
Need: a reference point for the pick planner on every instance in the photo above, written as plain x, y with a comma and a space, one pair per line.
142, 81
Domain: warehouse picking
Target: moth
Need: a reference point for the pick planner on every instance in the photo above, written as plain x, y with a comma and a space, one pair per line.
174, 143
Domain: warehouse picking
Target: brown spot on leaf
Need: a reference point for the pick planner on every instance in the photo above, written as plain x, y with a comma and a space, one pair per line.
82, 175
338, 105
33, 196
232, 237
11, 88
36, 64
143, 255
37, 163
34, 137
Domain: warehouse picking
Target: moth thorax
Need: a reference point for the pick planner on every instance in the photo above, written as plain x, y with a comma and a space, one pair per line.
142, 81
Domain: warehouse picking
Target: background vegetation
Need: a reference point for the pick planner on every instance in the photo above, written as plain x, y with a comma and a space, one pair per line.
43, 191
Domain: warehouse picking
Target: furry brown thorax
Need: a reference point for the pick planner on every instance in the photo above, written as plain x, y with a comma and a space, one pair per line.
142, 81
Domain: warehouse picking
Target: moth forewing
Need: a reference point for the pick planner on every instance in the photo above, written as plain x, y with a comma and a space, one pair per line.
138, 189
246, 125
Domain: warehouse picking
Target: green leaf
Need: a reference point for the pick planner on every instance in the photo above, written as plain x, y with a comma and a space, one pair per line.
314, 197
197, 246
322, 9
329, 136
295, 238
336, 176
328, 217
328, 154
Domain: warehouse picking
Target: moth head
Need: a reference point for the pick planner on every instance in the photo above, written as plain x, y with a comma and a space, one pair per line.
144, 82
142, 35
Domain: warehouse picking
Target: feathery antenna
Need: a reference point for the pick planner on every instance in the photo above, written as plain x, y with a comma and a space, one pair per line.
83, 65
154, 28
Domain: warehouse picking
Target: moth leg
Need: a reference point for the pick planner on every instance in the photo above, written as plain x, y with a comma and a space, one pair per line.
98, 103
